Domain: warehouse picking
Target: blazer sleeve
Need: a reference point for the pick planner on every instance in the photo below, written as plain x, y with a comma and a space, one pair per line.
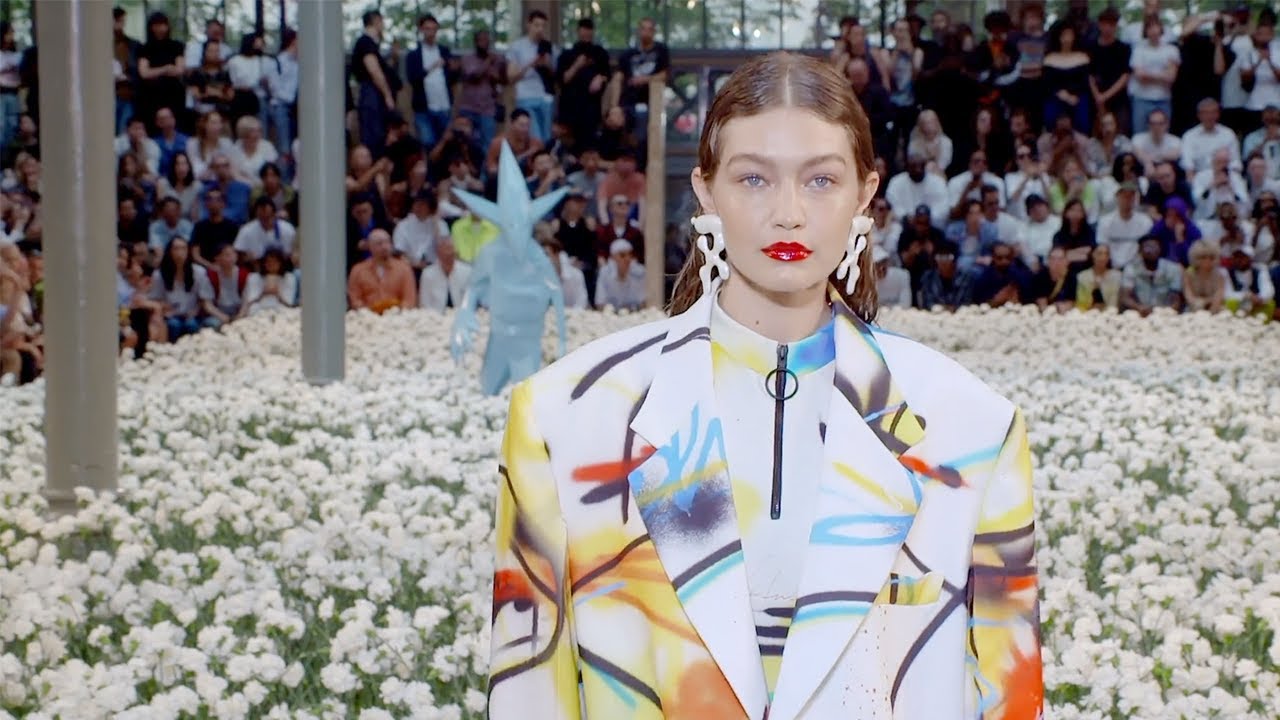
533, 671
1004, 613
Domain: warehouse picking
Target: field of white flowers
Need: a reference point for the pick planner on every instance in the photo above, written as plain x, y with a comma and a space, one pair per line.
286, 551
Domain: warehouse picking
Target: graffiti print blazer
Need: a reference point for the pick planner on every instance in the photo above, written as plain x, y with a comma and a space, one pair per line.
620, 591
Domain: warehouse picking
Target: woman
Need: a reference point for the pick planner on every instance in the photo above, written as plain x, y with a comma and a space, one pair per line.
928, 142
1107, 144
1098, 286
133, 181
271, 289
210, 139
210, 84
252, 150
1075, 233
248, 72
177, 284
181, 183
1204, 284
1066, 79
682, 499
1153, 68
1071, 183
1030, 178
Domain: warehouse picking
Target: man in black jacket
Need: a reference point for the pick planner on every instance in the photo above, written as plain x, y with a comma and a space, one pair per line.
431, 70
581, 74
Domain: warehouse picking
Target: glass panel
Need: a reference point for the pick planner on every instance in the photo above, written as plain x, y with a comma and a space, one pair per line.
638, 10
724, 24
683, 125
684, 23
477, 15
762, 29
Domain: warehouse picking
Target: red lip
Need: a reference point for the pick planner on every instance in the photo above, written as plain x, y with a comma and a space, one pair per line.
787, 251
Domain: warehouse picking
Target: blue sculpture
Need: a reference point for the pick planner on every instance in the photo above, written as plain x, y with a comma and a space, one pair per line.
514, 279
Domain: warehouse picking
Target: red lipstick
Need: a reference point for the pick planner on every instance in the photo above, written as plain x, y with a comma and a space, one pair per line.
787, 251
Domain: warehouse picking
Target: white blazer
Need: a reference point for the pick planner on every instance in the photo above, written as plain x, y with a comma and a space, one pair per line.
620, 591
433, 285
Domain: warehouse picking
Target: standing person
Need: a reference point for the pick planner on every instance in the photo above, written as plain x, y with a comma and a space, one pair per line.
378, 83
531, 62
161, 67
581, 73
430, 71
1109, 70
481, 73
283, 102
697, 493
649, 59
125, 50
1153, 67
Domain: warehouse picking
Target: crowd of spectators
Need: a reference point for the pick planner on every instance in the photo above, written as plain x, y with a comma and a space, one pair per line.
1085, 163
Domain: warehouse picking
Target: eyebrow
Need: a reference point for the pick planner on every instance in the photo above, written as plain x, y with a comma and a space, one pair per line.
763, 160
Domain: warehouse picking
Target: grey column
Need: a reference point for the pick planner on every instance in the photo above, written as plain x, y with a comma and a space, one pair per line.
81, 321
322, 196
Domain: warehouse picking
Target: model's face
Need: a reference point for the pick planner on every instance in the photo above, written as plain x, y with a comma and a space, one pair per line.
785, 176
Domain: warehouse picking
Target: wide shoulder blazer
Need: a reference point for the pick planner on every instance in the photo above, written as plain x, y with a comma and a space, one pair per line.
619, 587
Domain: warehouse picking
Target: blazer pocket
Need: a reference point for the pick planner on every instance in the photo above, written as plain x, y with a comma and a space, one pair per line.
910, 589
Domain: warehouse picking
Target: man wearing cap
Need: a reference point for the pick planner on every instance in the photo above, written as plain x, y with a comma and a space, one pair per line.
914, 187
1120, 230
1249, 287
416, 236
893, 284
621, 282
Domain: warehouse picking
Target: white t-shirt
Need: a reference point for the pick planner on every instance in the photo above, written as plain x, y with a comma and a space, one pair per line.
248, 166
894, 289
1233, 94
255, 285
522, 52
253, 240
1019, 191
416, 239
1149, 151
1266, 88
436, 290
1153, 60
434, 85
1121, 235
573, 283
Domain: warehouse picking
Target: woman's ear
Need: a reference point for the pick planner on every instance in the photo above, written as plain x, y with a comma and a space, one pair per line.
869, 186
702, 191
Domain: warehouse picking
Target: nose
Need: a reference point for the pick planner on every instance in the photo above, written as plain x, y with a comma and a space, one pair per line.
789, 213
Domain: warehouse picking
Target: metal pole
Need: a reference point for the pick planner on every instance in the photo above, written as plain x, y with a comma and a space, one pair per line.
321, 96
80, 337
655, 196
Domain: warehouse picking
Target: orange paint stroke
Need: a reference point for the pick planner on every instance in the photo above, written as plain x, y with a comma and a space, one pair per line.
610, 471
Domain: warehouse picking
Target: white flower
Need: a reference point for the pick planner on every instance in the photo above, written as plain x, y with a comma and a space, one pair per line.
338, 678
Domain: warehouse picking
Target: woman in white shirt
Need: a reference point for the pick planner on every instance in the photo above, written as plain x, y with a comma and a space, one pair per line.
210, 139
250, 73
928, 141
1155, 65
1029, 179
252, 150
271, 289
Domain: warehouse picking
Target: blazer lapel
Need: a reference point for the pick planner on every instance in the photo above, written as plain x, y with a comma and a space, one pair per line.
868, 500
683, 494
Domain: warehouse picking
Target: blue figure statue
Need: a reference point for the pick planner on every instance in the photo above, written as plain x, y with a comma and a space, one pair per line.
514, 279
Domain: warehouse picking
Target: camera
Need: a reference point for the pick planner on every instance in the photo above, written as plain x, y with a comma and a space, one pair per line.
544, 47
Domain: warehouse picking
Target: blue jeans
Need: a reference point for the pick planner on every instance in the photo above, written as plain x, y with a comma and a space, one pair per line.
486, 127
1142, 108
431, 126
539, 115
124, 113
10, 111
372, 111
282, 123
179, 326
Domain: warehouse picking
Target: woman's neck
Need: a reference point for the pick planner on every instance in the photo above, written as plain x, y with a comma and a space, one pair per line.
781, 317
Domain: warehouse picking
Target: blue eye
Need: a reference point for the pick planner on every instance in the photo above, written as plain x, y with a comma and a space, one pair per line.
753, 180
824, 181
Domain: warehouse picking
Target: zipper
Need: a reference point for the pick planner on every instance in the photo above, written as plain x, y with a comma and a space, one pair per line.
779, 397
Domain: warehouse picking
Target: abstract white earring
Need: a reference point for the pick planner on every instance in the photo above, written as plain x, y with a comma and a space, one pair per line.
711, 244
848, 270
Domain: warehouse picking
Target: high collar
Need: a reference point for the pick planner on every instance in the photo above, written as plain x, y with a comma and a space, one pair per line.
760, 354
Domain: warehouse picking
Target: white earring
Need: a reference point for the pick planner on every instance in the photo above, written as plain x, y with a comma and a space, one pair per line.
711, 244
848, 270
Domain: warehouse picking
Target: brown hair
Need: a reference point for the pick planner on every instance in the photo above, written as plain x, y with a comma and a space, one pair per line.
765, 82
